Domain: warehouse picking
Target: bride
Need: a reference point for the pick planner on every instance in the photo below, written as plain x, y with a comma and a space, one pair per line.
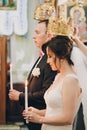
63, 98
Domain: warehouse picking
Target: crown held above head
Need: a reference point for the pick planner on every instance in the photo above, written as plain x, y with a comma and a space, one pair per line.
58, 26
44, 11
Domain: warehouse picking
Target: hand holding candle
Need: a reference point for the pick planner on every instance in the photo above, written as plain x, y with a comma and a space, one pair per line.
11, 84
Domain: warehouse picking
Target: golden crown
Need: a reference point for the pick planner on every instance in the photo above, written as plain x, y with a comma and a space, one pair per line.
44, 11
58, 26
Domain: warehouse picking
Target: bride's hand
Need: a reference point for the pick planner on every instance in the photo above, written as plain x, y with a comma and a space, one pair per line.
25, 113
75, 32
30, 113
32, 109
34, 117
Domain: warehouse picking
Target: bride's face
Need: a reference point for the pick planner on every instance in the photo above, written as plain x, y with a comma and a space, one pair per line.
51, 60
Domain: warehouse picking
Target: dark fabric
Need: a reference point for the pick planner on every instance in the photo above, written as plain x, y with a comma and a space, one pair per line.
79, 121
34, 126
37, 87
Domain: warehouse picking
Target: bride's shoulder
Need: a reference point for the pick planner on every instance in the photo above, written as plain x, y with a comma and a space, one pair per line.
70, 80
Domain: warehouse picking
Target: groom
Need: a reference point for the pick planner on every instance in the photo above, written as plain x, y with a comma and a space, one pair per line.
37, 85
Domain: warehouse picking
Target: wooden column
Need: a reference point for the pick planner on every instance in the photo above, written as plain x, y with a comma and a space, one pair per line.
3, 71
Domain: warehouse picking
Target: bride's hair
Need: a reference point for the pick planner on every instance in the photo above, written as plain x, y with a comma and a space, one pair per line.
62, 47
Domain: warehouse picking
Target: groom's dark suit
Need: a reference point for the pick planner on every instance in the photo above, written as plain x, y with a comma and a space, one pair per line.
37, 87
79, 123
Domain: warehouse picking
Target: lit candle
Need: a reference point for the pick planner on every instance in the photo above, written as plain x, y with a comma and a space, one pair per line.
11, 84
26, 97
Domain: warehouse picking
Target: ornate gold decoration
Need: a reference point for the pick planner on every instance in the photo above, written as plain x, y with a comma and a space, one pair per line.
76, 2
44, 11
58, 26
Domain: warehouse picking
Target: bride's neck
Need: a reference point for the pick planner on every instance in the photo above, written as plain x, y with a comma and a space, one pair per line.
66, 70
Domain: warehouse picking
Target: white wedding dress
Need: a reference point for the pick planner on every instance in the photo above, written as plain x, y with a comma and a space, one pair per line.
54, 102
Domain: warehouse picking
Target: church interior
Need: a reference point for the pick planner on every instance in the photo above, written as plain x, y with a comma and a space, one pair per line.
18, 51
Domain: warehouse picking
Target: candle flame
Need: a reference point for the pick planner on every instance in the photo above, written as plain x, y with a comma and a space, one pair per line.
10, 65
26, 83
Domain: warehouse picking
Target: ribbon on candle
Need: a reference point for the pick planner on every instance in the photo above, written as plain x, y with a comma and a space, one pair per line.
26, 97
11, 83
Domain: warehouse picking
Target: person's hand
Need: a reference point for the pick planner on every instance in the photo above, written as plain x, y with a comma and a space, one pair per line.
76, 40
30, 109
25, 114
75, 31
32, 115
14, 94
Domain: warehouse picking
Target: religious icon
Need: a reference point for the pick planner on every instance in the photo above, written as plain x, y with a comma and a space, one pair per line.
8, 4
79, 15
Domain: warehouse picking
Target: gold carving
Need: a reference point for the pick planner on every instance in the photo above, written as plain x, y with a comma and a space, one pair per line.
44, 11
58, 26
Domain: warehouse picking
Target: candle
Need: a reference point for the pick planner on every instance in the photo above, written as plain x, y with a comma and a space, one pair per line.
11, 84
26, 98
